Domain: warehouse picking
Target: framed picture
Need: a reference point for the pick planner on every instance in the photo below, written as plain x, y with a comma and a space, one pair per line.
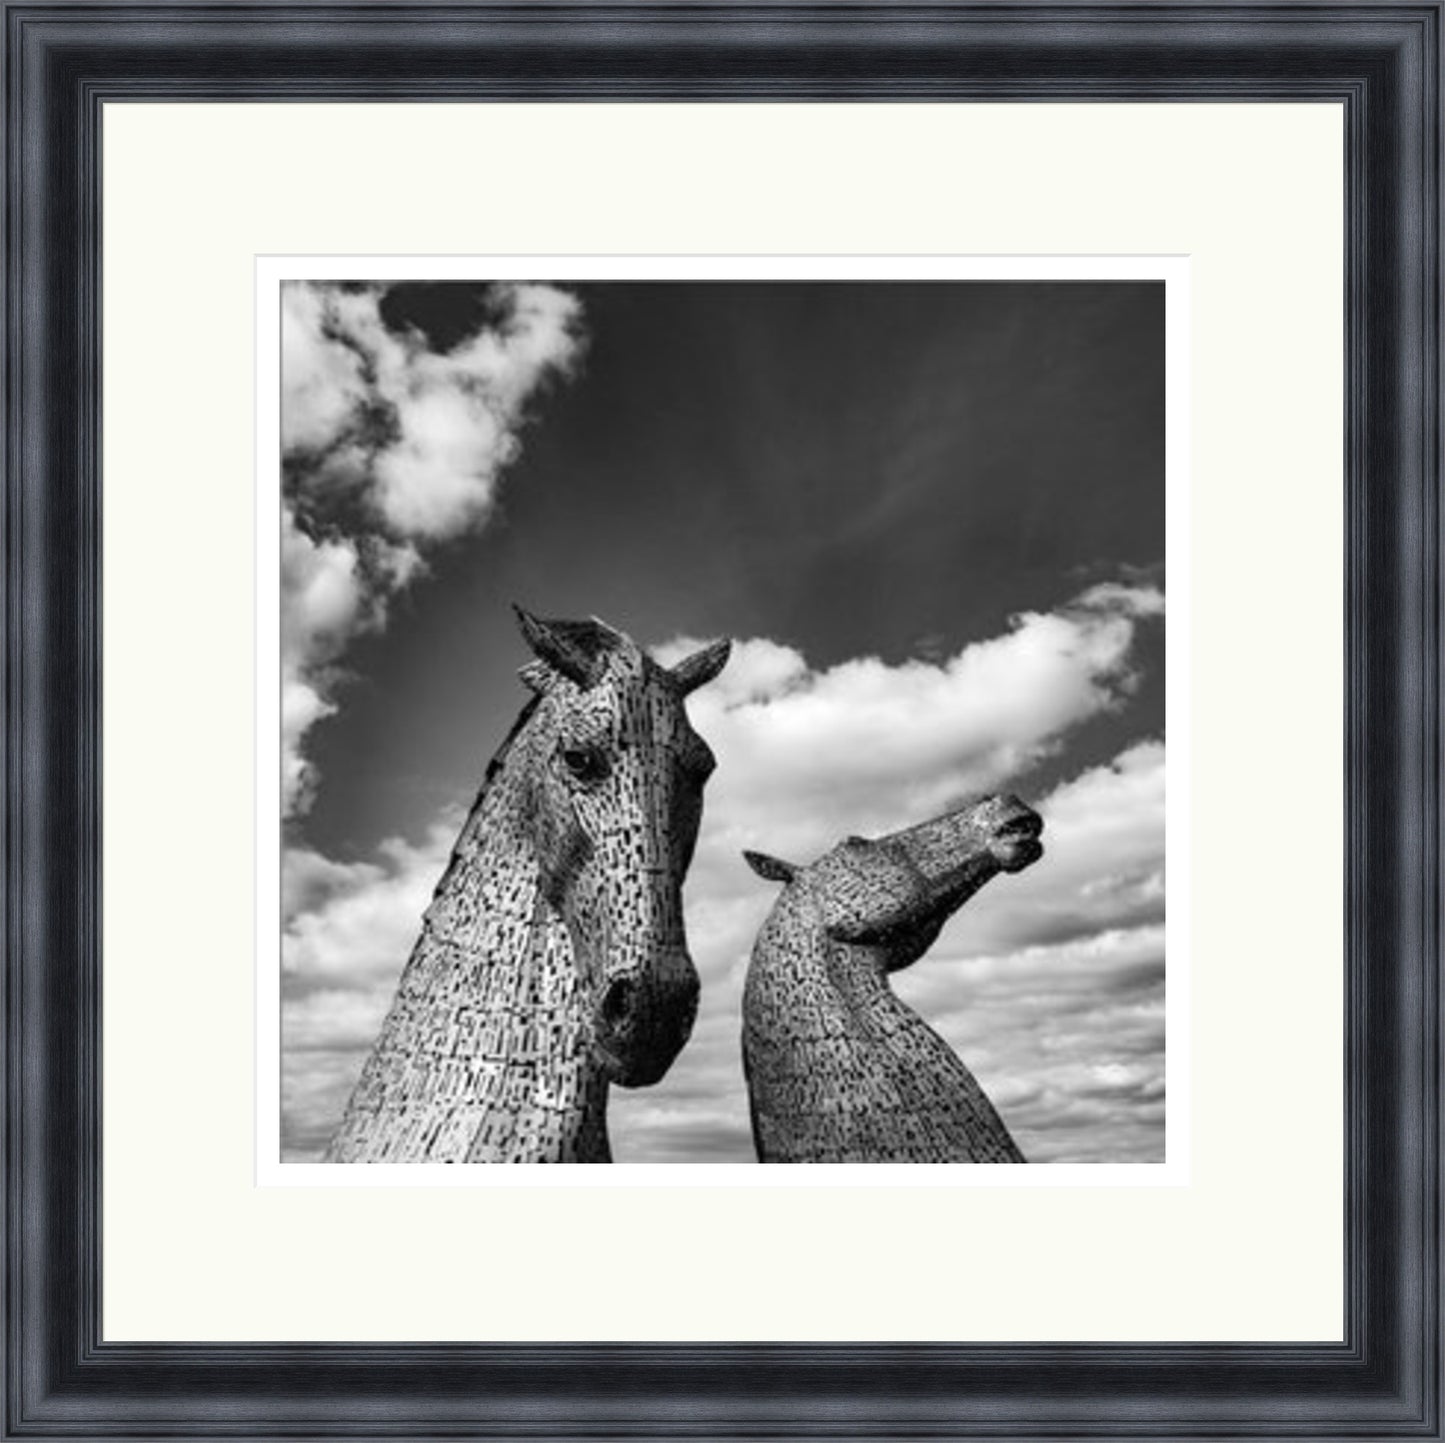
167, 1277
1002, 645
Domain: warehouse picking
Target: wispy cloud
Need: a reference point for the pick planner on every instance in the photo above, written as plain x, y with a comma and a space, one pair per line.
390, 449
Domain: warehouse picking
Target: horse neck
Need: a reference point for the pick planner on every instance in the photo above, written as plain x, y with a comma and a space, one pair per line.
794, 978
820, 1020
485, 1055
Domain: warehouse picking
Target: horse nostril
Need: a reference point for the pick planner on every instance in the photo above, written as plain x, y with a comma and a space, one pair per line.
1023, 823
617, 1001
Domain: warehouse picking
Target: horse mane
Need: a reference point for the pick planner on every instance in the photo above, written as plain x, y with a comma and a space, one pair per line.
499, 757
494, 767
594, 639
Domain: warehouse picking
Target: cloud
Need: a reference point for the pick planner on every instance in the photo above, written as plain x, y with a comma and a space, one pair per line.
347, 928
1050, 984
807, 756
389, 449
1104, 863
1041, 979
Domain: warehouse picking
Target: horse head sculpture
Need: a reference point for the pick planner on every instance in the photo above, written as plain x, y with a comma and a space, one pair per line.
613, 814
838, 1069
552, 960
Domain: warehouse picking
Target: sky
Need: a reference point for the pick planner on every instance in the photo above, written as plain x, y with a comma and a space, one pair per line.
929, 515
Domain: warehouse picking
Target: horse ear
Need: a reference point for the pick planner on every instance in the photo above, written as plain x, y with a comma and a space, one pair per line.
770, 869
700, 668
608, 633
556, 648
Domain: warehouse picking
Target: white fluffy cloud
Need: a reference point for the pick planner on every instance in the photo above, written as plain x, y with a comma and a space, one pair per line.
1049, 983
808, 757
390, 449
347, 928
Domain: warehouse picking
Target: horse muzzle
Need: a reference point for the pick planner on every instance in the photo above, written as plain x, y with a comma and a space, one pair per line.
1016, 831
643, 1018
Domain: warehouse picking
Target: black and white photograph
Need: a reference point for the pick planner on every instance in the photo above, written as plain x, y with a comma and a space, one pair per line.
723, 721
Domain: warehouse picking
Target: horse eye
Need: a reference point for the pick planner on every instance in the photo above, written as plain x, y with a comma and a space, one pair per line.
587, 764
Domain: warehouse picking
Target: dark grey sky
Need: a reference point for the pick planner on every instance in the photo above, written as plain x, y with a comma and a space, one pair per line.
884, 468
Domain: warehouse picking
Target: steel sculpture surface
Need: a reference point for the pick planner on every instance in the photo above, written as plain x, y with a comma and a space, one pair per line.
552, 960
838, 1068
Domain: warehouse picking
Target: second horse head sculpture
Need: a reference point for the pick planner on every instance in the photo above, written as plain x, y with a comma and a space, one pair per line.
838, 1068
552, 960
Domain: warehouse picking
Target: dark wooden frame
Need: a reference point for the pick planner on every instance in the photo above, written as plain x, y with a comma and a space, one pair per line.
1380, 63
